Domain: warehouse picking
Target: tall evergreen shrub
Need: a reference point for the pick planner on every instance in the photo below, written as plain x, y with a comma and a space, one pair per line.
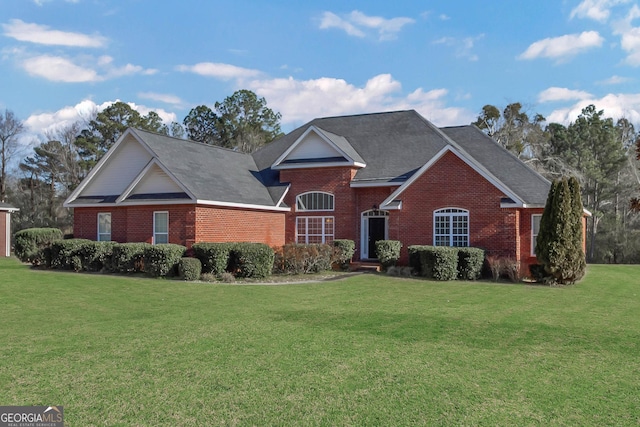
559, 241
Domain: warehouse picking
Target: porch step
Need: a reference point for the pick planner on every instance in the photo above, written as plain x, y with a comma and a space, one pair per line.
365, 266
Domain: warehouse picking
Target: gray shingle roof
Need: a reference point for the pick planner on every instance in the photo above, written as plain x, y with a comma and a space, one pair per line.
529, 185
6, 207
392, 145
395, 145
209, 172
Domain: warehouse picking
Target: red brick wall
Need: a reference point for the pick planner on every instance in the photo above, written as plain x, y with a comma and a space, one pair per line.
236, 225
331, 180
449, 183
135, 224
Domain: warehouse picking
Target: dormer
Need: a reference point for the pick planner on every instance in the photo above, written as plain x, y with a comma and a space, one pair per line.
317, 148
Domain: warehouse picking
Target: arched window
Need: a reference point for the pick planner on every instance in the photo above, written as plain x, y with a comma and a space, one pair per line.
314, 201
451, 227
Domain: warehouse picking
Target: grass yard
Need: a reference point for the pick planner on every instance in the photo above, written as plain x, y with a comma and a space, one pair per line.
367, 350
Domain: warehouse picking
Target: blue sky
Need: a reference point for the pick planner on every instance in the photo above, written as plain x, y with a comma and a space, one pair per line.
61, 59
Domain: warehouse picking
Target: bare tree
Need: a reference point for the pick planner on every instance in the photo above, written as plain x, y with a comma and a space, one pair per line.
10, 128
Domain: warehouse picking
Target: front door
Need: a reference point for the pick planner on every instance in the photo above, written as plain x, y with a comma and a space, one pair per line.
376, 232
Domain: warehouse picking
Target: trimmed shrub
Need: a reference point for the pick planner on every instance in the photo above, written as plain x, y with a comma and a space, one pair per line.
297, 258
213, 256
28, 243
128, 257
438, 262
162, 260
344, 250
96, 256
388, 252
414, 258
470, 262
253, 260
67, 254
189, 268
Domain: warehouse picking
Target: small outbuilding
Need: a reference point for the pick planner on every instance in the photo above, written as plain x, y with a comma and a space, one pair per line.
5, 228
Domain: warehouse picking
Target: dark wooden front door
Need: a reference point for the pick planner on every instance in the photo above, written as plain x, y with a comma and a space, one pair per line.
376, 232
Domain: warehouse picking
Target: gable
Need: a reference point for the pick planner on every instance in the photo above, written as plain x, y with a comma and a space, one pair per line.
153, 182
318, 148
117, 172
452, 170
312, 146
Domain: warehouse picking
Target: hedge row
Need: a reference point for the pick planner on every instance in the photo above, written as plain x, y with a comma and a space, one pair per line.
29, 243
87, 255
242, 259
446, 263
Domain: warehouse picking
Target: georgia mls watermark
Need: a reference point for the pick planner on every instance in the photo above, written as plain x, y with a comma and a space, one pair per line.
31, 416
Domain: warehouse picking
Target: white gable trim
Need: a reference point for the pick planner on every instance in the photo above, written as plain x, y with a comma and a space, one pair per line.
386, 204
94, 171
242, 205
349, 161
142, 174
284, 193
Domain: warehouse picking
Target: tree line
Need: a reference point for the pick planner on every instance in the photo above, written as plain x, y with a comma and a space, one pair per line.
46, 176
602, 154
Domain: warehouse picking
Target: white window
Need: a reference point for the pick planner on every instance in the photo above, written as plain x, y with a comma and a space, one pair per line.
314, 201
160, 227
451, 227
314, 229
104, 227
535, 228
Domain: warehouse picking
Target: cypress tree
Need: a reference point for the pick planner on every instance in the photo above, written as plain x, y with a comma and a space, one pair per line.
559, 242
579, 263
544, 233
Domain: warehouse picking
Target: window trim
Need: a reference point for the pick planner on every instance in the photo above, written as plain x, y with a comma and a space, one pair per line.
534, 236
98, 238
323, 234
333, 202
460, 213
155, 233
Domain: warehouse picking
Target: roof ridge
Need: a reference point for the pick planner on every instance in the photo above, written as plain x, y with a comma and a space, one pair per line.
185, 140
360, 114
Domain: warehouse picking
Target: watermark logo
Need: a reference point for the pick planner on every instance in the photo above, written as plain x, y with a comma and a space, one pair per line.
31, 416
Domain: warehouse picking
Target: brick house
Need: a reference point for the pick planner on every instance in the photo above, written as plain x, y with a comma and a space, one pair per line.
364, 177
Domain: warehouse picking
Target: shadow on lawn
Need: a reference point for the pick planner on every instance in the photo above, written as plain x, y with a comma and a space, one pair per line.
472, 333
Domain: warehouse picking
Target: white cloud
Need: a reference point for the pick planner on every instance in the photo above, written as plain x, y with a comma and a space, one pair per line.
462, 47
162, 97
598, 10
562, 94
614, 105
81, 70
83, 112
42, 2
41, 34
629, 36
219, 70
615, 80
56, 68
302, 100
356, 23
563, 47
331, 20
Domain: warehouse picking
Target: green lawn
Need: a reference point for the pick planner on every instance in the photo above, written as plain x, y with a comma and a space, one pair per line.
368, 350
